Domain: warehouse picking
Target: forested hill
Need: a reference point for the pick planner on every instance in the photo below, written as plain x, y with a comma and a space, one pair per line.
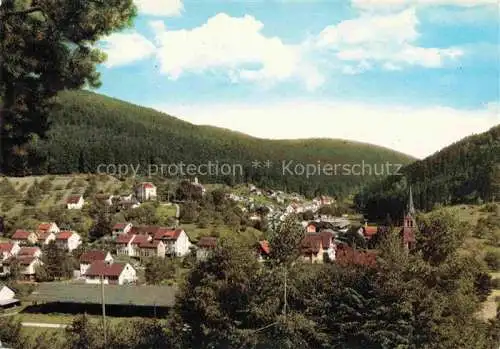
467, 171
89, 129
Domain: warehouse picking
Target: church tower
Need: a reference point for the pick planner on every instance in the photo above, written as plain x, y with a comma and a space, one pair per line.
410, 224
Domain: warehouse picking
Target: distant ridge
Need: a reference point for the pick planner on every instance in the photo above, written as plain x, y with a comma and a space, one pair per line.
467, 171
89, 129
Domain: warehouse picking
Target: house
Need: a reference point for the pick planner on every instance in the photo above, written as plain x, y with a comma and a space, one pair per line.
136, 242
318, 247
263, 250
112, 273
8, 250
48, 228
24, 237
7, 297
128, 204
145, 191
89, 257
311, 227
369, 231
29, 252
205, 245
124, 245
44, 238
68, 240
27, 265
176, 241
75, 202
121, 228
153, 248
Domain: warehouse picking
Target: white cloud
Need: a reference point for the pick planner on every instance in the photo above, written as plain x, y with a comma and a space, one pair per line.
125, 48
161, 8
415, 131
388, 39
396, 5
234, 44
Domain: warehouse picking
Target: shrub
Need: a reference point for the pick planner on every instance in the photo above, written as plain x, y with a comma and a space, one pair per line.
495, 283
492, 258
490, 207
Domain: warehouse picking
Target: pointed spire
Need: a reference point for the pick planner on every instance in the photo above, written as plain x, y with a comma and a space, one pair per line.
411, 207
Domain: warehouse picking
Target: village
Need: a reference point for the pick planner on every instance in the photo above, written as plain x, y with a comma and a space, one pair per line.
327, 239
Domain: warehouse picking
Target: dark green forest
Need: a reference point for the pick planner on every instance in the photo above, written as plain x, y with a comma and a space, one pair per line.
466, 172
89, 129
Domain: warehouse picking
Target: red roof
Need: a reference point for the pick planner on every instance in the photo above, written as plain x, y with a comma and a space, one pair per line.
124, 239
64, 235
92, 256
120, 226
103, 268
6, 246
73, 199
311, 244
28, 251
167, 234
150, 244
207, 242
21, 235
45, 226
147, 185
42, 236
140, 239
369, 231
25, 260
347, 255
264, 246
145, 229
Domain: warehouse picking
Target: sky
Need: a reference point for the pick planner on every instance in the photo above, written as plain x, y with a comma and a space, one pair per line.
411, 75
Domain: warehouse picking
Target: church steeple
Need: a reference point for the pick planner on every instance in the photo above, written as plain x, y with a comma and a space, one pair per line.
411, 207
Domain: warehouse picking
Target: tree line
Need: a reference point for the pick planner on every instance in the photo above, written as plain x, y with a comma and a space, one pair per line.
465, 172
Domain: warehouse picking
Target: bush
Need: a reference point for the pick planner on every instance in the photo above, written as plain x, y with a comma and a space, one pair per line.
491, 208
492, 259
495, 283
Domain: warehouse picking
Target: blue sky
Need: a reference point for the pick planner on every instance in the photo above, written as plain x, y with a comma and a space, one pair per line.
413, 75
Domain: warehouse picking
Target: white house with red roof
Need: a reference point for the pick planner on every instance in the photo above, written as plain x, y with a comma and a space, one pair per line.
89, 257
205, 246
8, 249
30, 252
136, 242
146, 191
24, 237
124, 245
27, 265
44, 238
176, 241
68, 240
48, 228
75, 202
153, 248
121, 228
111, 273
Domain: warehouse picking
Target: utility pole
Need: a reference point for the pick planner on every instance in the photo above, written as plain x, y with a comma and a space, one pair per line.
284, 296
103, 312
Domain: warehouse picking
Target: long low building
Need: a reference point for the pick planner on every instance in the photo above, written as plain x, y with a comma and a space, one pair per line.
114, 295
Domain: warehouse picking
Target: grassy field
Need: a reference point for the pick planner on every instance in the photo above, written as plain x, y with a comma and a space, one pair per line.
194, 232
